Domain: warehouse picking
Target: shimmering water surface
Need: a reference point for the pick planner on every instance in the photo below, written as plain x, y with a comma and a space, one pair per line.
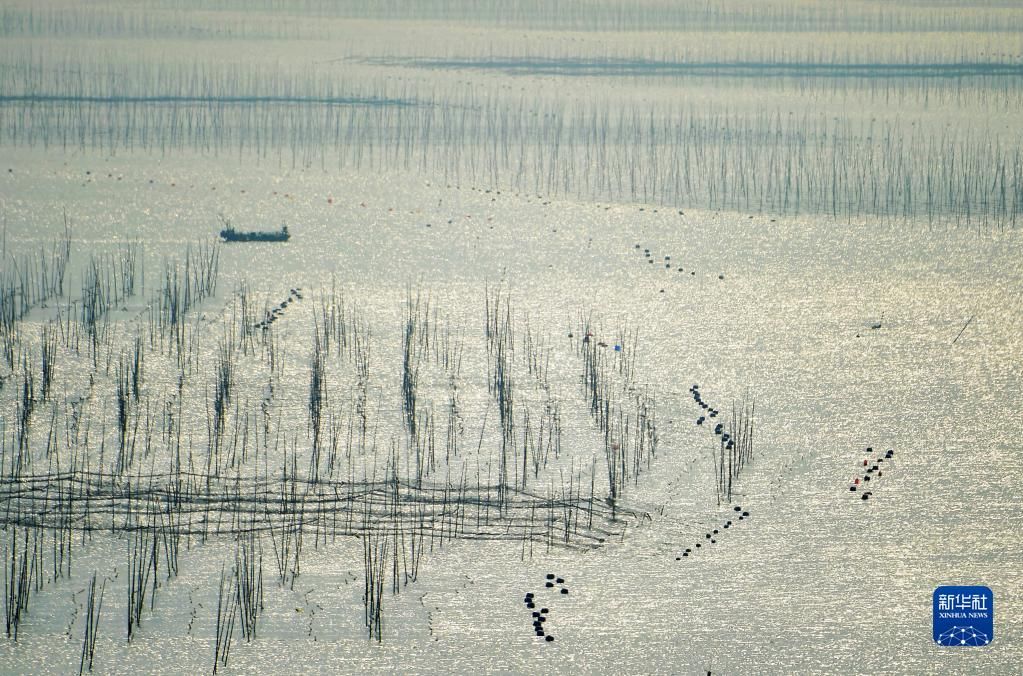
862, 318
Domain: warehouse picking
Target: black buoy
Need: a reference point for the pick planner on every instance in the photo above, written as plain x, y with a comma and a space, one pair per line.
852, 488
561, 580
738, 509
745, 513
544, 611
550, 584
531, 605
550, 638
550, 576
564, 591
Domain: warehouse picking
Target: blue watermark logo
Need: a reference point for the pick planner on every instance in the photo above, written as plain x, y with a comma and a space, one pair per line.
964, 616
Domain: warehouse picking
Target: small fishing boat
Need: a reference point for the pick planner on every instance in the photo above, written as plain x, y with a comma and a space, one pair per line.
229, 234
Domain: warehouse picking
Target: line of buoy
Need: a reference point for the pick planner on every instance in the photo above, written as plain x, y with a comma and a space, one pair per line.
278, 310
541, 616
711, 537
873, 472
668, 265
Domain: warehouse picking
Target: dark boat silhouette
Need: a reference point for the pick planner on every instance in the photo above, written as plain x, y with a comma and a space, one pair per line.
229, 234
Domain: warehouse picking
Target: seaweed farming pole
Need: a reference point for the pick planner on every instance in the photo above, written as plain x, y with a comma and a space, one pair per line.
93, 608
